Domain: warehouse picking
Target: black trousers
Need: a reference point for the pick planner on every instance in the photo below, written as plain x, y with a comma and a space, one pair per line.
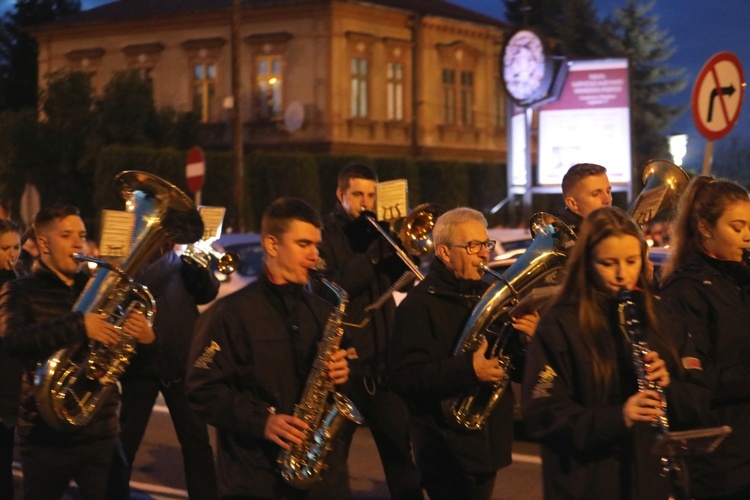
7, 436
47, 470
388, 418
138, 398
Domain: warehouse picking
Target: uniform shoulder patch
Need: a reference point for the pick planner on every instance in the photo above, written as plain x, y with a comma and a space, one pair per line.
545, 381
690, 363
207, 356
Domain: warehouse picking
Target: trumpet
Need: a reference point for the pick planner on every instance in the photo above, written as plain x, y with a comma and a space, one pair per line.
201, 252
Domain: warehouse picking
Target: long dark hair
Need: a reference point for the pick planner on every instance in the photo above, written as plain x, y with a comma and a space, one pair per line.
705, 199
593, 303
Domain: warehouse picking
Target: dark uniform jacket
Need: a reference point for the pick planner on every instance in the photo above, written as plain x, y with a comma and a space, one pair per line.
426, 329
714, 297
11, 371
177, 287
365, 272
587, 450
248, 358
571, 219
36, 320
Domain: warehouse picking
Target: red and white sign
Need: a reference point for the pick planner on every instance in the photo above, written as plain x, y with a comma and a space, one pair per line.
717, 95
195, 171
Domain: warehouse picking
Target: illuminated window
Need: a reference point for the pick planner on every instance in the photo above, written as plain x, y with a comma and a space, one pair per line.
204, 90
269, 80
449, 96
467, 98
395, 90
360, 78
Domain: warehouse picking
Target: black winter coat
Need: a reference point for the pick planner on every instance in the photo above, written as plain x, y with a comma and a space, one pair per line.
587, 450
178, 287
249, 357
365, 271
36, 320
714, 298
425, 372
11, 372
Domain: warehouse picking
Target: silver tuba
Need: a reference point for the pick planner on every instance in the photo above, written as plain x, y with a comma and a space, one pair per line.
73, 383
321, 407
491, 317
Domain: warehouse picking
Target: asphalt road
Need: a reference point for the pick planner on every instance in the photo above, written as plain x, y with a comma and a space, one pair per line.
158, 472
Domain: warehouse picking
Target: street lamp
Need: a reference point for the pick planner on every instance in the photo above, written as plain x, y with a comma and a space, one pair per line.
678, 147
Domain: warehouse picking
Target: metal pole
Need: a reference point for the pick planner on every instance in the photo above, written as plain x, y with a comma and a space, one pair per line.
237, 142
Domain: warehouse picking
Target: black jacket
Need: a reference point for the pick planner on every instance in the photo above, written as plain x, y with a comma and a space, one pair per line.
714, 298
587, 450
571, 219
11, 372
253, 350
425, 372
36, 320
365, 271
177, 287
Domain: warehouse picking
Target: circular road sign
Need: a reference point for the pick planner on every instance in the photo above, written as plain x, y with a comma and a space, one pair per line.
195, 171
717, 95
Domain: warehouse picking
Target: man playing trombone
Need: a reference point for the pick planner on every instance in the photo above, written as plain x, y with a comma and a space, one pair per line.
366, 264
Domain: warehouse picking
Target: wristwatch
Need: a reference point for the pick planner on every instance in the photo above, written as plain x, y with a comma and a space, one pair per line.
527, 68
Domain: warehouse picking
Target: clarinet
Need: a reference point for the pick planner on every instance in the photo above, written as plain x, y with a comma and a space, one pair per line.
631, 326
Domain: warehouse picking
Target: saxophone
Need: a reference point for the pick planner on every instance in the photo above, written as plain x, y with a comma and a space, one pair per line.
630, 323
321, 407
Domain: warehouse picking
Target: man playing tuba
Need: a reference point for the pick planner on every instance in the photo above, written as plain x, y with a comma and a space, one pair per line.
36, 320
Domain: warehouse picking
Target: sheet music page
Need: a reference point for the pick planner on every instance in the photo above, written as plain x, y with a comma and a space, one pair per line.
116, 233
392, 200
213, 217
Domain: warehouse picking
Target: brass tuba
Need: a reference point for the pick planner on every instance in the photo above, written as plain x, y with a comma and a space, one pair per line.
73, 383
491, 319
663, 183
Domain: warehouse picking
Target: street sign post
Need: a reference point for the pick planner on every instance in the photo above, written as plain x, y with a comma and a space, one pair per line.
195, 172
717, 98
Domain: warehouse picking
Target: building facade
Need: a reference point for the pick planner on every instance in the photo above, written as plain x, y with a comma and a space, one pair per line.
416, 78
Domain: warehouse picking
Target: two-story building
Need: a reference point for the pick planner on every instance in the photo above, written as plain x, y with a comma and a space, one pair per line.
417, 78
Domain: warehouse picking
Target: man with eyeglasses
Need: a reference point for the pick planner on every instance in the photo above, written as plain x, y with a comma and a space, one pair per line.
453, 462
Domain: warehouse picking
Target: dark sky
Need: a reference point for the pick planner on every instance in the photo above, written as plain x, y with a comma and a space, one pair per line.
700, 28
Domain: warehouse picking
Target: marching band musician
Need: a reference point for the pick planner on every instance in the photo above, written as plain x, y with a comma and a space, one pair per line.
708, 281
361, 261
581, 398
585, 187
252, 354
11, 369
35, 321
453, 463
178, 286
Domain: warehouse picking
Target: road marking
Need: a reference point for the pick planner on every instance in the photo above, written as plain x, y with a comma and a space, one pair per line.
526, 459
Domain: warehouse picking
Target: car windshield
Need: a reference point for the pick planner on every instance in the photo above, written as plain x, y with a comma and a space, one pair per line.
251, 258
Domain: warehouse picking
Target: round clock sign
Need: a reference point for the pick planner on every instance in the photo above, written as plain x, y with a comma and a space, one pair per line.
527, 70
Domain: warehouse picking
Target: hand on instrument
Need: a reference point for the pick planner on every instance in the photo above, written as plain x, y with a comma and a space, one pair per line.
285, 429
338, 367
527, 323
656, 370
137, 327
487, 370
99, 329
642, 407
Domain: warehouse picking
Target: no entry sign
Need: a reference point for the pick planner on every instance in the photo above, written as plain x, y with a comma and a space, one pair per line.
195, 171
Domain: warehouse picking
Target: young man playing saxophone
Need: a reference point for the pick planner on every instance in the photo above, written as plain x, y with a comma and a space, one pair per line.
252, 354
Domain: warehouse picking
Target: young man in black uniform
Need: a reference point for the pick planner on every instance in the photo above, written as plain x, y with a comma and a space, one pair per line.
585, 188
354, 255
35, 321
252, 355
453, 462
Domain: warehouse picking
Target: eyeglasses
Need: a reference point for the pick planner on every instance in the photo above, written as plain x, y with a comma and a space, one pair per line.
474, 247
